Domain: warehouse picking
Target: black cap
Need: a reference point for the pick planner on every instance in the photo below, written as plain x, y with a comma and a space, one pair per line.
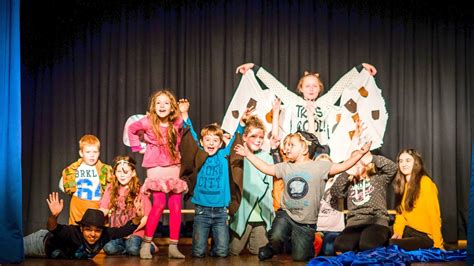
314, 148
93, 217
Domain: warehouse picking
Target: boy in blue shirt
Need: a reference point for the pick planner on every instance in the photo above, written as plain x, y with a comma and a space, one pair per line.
205, 167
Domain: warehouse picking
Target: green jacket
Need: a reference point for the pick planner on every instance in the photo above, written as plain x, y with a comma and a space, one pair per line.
69, 176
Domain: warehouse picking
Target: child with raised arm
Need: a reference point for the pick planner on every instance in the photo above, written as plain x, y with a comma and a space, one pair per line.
86, 179
255, 214
365, 188
162, 128
206, 169
117, 205
309, 89
82, 241
304, 185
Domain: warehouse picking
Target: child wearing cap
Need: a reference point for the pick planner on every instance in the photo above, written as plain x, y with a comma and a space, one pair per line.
304, 186
82, 241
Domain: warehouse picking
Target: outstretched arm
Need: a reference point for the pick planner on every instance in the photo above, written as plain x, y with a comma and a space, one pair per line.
280, 90
356, 156
240, 128
262, 166
55, 206
331, 97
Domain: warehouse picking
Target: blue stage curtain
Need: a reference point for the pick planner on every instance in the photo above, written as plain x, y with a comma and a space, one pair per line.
11, 235
470, 229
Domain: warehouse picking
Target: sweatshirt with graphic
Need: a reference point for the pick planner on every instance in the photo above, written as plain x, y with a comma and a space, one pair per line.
367, 198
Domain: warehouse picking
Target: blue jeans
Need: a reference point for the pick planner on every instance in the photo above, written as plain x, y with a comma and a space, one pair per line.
300, 235
328, 243
215, 220
122, 246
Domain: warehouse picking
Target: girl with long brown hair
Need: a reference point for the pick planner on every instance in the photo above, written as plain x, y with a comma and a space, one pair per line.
418, 219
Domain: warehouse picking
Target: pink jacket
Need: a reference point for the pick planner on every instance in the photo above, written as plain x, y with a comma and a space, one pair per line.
156, 153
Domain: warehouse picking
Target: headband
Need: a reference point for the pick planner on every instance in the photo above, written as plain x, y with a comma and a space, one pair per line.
124, 161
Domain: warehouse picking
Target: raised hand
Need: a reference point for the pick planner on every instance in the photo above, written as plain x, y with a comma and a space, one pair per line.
360, 127
183, 105
244, 68
226, 137
55, 204
248, 113
274, 142
370, 68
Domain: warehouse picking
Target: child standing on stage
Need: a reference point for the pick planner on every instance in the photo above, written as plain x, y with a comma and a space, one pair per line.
86, 179
117, 204
309, 92
162, 128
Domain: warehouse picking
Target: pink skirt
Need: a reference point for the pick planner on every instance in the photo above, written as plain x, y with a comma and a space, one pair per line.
164, 179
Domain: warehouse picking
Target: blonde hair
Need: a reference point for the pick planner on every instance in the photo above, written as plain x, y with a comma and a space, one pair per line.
88, 140
253, 122
172, 134
308, 74
302, 140
212, 129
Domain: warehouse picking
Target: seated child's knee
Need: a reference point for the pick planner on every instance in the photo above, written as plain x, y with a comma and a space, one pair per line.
300, 256
134, 250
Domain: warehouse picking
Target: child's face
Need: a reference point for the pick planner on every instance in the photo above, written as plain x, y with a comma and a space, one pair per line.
163, 106
124, 173
295, 149
254, 139
90, 154
405, 163
91, 233
310, 88
211, 144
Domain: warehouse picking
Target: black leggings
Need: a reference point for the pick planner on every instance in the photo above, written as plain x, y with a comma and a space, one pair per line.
362, 237
413, 239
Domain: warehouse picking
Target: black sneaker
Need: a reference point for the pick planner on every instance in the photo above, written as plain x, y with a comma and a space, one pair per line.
266, 252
